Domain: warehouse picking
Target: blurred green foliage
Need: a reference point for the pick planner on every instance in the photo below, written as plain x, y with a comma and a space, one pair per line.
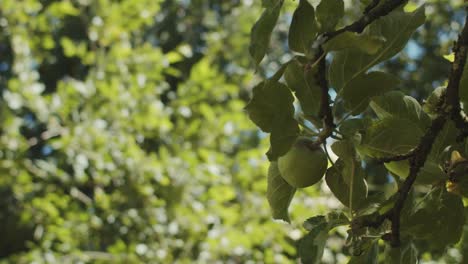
123, 137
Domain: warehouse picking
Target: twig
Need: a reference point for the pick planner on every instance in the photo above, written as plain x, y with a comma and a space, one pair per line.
398, 157
374, 220
373, 13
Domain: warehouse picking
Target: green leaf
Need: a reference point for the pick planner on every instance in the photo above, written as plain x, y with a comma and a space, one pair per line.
333, 219
303, 28
397, 104
391, 136
315, 221
358, 92
430, 173
280, 72
261, 31
402, 135
396, 28
405, 254
346, 177
283, 135
368, 44
432, 102
447, 136
329, 12
302, 82
279, 193
438, 219
432, 170
310, 247
344, 149
340, 177
271, 108
370, 256
269, 3
353, 128
270, 100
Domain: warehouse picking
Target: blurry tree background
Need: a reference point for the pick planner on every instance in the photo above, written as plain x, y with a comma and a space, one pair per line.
123, 137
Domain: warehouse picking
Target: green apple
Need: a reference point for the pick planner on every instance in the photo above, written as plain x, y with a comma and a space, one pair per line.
303, 165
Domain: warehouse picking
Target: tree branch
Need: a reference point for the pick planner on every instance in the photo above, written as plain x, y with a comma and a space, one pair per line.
417, 157
452, 109
398, 157
325, 112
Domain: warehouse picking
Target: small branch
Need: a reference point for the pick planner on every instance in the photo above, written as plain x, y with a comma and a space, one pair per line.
371, 13
398, 157
374, 220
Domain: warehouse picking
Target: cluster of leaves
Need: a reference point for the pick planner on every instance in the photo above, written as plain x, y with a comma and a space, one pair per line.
380, 124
